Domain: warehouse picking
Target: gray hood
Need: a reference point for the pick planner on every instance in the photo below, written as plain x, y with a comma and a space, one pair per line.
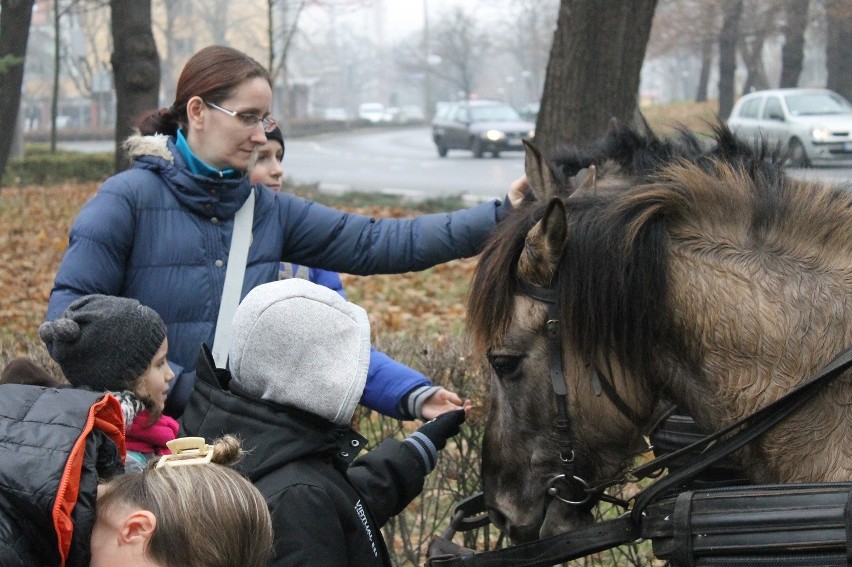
299, 344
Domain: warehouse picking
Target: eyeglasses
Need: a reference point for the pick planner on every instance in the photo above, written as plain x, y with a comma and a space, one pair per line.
247, 119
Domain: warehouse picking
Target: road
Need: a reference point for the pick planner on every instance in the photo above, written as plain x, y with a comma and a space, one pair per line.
404, 162
398, 161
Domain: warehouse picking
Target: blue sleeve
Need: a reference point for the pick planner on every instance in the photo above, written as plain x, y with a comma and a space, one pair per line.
323, 237
329, 279
387, 383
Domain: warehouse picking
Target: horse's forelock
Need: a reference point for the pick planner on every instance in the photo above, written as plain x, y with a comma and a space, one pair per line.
494, 282
613, 285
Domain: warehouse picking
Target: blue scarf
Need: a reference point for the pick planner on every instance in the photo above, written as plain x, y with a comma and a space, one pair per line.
197, 166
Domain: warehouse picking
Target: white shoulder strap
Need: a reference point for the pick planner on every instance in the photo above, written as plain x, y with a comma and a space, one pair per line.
234, 276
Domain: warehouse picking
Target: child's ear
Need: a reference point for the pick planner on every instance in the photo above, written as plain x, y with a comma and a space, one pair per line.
137, 528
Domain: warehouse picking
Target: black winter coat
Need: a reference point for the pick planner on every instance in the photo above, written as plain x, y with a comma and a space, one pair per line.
324, 511
54, 445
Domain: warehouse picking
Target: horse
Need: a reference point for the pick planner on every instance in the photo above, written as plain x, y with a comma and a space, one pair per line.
648, 270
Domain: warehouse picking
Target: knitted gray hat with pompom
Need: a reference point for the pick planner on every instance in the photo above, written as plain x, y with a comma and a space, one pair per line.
104, 342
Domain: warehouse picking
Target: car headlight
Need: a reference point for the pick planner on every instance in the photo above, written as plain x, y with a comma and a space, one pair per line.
495, 135
820, 134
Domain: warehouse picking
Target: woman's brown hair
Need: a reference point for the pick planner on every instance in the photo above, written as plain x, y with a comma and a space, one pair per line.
212, 73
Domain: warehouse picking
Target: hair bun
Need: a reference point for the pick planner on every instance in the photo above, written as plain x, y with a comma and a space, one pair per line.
227, 450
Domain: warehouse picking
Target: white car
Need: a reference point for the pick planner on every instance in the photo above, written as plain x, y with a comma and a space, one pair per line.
814, 126
371, 111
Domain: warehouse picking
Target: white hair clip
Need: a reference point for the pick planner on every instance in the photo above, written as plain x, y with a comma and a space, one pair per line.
187, 451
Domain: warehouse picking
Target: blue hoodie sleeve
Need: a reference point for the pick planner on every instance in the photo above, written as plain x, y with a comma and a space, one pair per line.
329, 279
388, 381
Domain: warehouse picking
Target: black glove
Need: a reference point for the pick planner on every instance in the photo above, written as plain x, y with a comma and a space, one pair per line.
432, 436
443, 427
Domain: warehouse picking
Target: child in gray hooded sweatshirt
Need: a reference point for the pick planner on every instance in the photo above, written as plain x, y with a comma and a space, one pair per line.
298, 358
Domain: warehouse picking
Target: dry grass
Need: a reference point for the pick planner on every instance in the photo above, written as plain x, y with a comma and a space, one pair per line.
664, 119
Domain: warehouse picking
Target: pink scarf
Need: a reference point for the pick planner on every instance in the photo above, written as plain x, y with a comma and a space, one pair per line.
151, 440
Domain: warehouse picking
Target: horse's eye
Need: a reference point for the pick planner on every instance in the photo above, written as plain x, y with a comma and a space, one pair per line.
504, 364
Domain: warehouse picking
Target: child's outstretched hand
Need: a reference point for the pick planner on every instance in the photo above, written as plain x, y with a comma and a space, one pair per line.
440, 402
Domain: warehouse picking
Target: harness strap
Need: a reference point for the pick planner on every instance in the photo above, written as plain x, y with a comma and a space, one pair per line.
608, 389
848, 514
753, 426
557, 382
552, 550
681, 531
599, 380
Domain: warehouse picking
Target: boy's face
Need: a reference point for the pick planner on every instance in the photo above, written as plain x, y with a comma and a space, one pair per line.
268, 171
154, 383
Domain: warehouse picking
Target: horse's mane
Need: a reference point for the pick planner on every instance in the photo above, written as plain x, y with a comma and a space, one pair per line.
613, 277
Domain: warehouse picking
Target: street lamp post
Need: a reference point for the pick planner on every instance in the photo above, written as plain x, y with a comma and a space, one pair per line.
427, 75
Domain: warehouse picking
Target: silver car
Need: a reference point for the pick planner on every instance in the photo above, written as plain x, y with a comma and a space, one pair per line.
814, 126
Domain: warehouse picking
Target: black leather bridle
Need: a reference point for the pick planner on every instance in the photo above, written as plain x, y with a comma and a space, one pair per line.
580, 492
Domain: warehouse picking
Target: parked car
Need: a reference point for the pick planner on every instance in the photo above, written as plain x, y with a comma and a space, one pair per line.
814, 126
391, 114
336, 114
371, 111
480, 126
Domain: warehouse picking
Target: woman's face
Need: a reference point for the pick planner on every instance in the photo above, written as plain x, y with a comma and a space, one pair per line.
268, 170
153, 385
221, 140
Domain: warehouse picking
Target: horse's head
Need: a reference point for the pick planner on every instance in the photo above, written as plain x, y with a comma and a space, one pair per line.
644, 268
563, 418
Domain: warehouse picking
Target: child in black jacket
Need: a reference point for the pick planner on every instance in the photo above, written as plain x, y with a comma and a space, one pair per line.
299, 356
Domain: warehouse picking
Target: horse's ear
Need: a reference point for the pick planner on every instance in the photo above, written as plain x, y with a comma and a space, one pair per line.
587, 179
544, 245
540, 176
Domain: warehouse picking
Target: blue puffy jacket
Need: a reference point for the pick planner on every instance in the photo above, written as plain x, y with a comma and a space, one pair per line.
161, 234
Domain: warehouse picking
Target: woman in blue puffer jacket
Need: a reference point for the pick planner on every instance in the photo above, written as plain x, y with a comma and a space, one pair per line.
161, 231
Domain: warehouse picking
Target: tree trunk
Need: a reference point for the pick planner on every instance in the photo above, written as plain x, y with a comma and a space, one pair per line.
793, 52
704, 73
136, 67
593, 70
838, 43
15, 16
752, 54
728, 55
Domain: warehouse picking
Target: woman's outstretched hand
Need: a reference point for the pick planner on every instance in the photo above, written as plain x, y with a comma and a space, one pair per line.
518, 190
